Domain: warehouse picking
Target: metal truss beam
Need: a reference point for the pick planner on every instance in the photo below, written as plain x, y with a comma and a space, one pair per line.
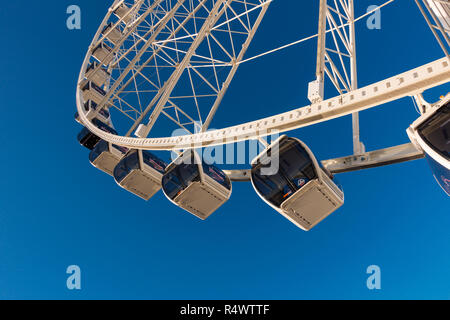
337, 58
368, 160
176, 44
438, 26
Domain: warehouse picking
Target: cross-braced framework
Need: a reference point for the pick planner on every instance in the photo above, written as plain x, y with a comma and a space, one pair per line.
337, 50
176, 59
437, 10
336, 55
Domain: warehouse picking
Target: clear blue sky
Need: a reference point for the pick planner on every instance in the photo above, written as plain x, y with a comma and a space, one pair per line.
56, 210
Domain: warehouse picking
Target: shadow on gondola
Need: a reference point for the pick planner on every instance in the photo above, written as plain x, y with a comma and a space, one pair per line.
140, 172
301, 189
105, 156
195, 186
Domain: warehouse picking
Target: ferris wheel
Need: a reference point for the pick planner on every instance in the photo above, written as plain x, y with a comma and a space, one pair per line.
156, 65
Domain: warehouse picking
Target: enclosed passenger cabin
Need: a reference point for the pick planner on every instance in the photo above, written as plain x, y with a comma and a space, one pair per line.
97, 74
288, 177
105, 156
442, 12
90, 108
112, 33
431, 134
93, 92
88, 139
103, 53
122, 13
140, 172
196, 187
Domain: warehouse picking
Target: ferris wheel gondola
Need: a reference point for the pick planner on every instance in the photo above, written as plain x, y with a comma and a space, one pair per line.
288, 177
113, 34
140, 172
160, 63
96, 74
431, 133
195, 186
105, 156
90, 108
88, 139
122, 12
92, 91
103, 53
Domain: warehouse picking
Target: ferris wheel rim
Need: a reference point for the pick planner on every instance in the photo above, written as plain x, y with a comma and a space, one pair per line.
438, 73
280, 123
138, 5
253, 130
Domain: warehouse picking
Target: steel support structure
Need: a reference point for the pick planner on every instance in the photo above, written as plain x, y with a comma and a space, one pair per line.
160, 37
336, 56
435, 7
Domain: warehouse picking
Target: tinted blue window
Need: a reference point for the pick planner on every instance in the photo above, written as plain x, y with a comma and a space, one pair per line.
178, 178
128, 164
217, 175
83, 133
154, 162
91, 85
88, 139
172, 185
296, 169
90, 104
100, 147
121, 149
93, 105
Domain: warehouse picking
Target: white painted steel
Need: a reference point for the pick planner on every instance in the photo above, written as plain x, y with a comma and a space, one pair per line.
406, 84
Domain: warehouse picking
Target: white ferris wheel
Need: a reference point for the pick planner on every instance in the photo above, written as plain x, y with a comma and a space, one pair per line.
169, 63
